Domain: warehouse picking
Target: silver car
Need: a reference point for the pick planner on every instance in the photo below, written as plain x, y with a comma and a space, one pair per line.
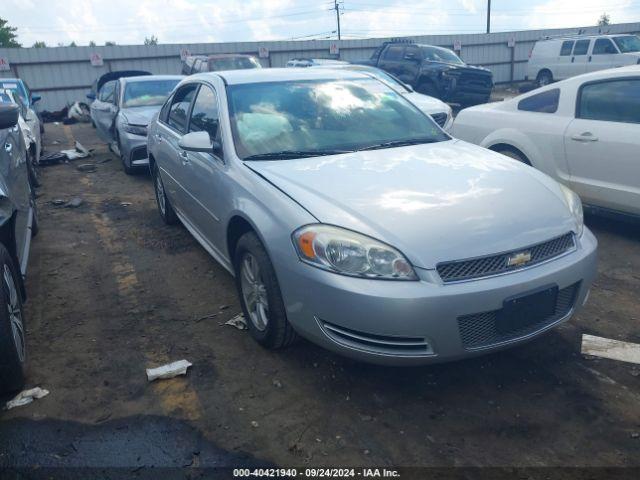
18, 223
349, 217
122, 110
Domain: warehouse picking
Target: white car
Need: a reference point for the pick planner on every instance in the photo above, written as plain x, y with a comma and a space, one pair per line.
434, 107
583, 132
564, 57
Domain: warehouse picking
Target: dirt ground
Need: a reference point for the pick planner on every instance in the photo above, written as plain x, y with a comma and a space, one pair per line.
113, 291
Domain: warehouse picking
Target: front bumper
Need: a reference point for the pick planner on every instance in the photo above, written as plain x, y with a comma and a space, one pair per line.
410, 323
134, 149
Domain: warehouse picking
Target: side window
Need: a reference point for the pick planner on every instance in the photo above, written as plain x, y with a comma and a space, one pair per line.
164, 111
413, 51
610, 101
107, 92
604, 46
566, 48
180, 107
545, 102
204, 116
582, 47
394, 52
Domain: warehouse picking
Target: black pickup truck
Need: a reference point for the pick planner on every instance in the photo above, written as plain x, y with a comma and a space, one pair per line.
434, 71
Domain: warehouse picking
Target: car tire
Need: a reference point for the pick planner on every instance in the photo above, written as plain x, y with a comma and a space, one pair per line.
515, 155
167, 213
544, 78
35, 227
260, 296
127, 168
32, 170
13, 354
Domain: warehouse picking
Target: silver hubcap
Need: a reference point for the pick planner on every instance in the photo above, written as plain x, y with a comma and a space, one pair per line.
254, 292
160, 194
15, 314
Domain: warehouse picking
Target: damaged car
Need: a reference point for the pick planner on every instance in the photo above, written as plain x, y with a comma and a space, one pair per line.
348, 217
18, 223
122, 110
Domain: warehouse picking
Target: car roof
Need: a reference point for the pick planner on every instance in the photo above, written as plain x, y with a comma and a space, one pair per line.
264, 75
587, 37
229, 55
150, 78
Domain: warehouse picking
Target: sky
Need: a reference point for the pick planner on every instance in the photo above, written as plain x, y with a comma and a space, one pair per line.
128, 22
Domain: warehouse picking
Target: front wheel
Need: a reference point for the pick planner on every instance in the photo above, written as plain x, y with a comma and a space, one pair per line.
515, 155
260, 295
13, 351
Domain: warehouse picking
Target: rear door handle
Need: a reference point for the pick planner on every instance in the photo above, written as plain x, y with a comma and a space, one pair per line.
184, 157
584, 137
158, 137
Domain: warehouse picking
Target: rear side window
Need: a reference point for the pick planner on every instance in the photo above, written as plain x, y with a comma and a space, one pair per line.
180, 107
545, 102
566, 48
603, 46
610, 101
394, 52
582, 47
107, 92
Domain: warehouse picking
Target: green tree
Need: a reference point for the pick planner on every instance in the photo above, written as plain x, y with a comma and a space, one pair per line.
39, 44
604, 20
109, 44
153, 40
73, 44
8, 35
92, 43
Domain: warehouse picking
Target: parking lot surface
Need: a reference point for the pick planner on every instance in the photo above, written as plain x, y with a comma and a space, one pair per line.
113, 291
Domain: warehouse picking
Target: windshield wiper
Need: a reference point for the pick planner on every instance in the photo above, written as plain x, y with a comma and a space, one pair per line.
400, 143
290, 154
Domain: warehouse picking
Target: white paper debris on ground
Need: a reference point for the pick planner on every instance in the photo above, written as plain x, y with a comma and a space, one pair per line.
169, 370
608, 348
238, 321
78, 152
26, 397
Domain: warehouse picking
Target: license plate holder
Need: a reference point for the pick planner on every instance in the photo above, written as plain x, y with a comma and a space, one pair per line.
527, 309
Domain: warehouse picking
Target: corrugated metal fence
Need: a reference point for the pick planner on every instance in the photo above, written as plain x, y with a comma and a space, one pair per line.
64, 74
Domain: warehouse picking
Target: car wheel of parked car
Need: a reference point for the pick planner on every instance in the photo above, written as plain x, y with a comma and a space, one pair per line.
35, 228
13, 353
32, 169
127, 169
164, 206
544, 78
260, 296
515, 155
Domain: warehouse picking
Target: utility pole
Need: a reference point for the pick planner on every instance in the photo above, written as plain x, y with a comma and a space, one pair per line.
337, 8
488, 16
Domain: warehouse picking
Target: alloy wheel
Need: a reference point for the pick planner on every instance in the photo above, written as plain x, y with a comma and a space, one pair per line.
160, 194
254, 292
15, 314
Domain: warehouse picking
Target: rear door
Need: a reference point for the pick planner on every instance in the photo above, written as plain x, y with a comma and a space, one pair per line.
579, 59
171, 159
563, 66
602, 55
104, 111
602, 144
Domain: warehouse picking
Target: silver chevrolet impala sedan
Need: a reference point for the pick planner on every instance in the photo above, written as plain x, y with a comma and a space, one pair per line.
349, 218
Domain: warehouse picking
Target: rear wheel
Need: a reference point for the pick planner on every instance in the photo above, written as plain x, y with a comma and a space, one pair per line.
515, 155
35, 228
544, 78
13, 352
260, 295
32, 169
164, 206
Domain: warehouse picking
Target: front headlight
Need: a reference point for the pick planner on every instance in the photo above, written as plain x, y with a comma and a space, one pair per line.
135, 129
350, 253
575, 205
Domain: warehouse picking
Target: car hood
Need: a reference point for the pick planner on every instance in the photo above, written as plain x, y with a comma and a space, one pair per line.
436, 202
139, 115
426, 103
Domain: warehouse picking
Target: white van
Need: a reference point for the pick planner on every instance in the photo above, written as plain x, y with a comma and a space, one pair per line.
563, 57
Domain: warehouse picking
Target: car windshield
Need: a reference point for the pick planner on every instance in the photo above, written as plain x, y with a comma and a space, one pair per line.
435, 54
308, 118
147, 93
380, 75
628, 43
233, 63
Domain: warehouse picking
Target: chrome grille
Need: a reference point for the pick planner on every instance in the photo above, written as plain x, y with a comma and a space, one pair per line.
479, 330
440, 118
496, 264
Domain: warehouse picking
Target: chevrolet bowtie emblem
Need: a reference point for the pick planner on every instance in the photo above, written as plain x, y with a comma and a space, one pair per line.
518, 259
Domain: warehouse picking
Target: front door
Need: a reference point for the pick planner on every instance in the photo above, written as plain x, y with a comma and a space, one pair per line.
104, 111
603, 142
602, 55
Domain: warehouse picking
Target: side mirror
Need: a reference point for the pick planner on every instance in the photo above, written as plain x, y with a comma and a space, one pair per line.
8, 116
199, 142
408, 87
35, 98
91, 96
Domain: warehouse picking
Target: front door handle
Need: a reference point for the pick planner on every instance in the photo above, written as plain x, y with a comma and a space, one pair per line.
584, 137
158, 137
184, 157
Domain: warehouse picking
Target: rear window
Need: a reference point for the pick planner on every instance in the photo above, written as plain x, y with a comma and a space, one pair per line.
610, 101
545, 102
566, 48
582, 47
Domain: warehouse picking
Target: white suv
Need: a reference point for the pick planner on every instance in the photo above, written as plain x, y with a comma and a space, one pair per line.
563, 57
